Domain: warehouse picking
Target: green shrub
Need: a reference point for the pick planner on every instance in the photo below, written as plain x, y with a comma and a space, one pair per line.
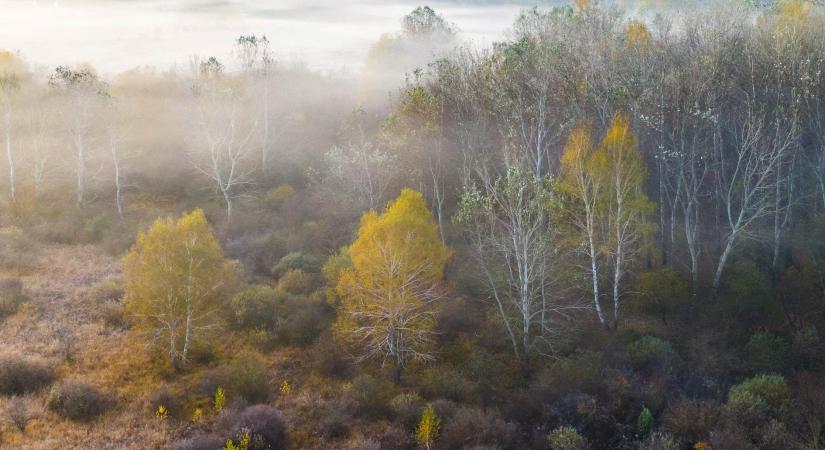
264, 424
245, 376
566, 438
369, 396
256, 306
444, 382
406, 408
473, 427
77, 400
296, 260
11, 296
766, 352
650, 349
279, 195
770, 387
21, 375
644, 423
106, 290
751, 293
296, 282
301, 320
751, 401
660, 291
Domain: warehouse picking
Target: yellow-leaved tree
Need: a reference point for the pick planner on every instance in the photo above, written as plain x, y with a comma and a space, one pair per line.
174, 276
388, 295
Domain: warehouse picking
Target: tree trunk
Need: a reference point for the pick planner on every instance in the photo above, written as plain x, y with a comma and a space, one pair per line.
10, 157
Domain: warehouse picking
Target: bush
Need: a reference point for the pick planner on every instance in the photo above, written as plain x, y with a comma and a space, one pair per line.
19, 412
471, 427
644, 423
296, 261
163, 397
328, 359
77, 400
257, 253
21, 375
566, 438
296, 282
750, 290
406, 409
691, 420
660, 291
199, 441
11, 296
245, 378
16, 250
301, 320
395, 439
766, 352
806, 348
649, 350
444, 382
256, 306
279, 195
771, 388
660, 441
106, 290
266, 427
369, 396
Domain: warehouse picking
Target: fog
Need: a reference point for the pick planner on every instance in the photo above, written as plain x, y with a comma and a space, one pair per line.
117, 35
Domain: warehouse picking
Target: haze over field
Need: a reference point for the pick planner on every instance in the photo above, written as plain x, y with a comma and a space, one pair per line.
328, 35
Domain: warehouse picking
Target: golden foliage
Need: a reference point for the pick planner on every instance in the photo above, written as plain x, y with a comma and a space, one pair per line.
428, 427
637, 35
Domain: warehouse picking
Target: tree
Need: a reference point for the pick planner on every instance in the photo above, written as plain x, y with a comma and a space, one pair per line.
82, 88
609, 206
428, 427
509, 226
224, 130
388, 296
174, 277
12, 73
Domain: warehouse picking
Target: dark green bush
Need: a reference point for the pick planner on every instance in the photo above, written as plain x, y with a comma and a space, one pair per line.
296, 261
296, 282
473, 427
566, 438
406, 409
302, 320
256, 306
244, 377
265, 425
751, 293
369, 396
16, 249
649, 350
77, 400
766, 352
21, 375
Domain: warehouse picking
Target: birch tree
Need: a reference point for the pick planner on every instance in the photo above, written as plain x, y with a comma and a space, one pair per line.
174, 276
225, 133
12, 72
257, 64
510, 229
389, 295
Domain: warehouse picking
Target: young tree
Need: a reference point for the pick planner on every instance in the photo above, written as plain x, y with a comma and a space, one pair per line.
255, 56
513, 239
174, 275
81, 87
12, 72
225, 132
388, 295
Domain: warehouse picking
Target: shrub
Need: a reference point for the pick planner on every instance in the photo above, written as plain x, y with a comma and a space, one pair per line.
295, 281
659, 441
256, 306
406, 408
19, 412
106, 290
771, 388
11, 296
199, 441
296, 261
660, 291
369, 396
243, 378
301, 320
21, 375
163, 397
257, 253
328, 359
265, 425
16, 249
751, 292
566, 438
77, 400
279, 195
644, 423
444, 382
691, 420
393, 438
766, 351
746, 407
806, 348
114, 315
649, 350
471, 427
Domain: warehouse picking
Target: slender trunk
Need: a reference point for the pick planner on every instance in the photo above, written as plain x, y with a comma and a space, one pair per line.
265, 148
10, 157
717, 278
81, 169
116, 162
594, 273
